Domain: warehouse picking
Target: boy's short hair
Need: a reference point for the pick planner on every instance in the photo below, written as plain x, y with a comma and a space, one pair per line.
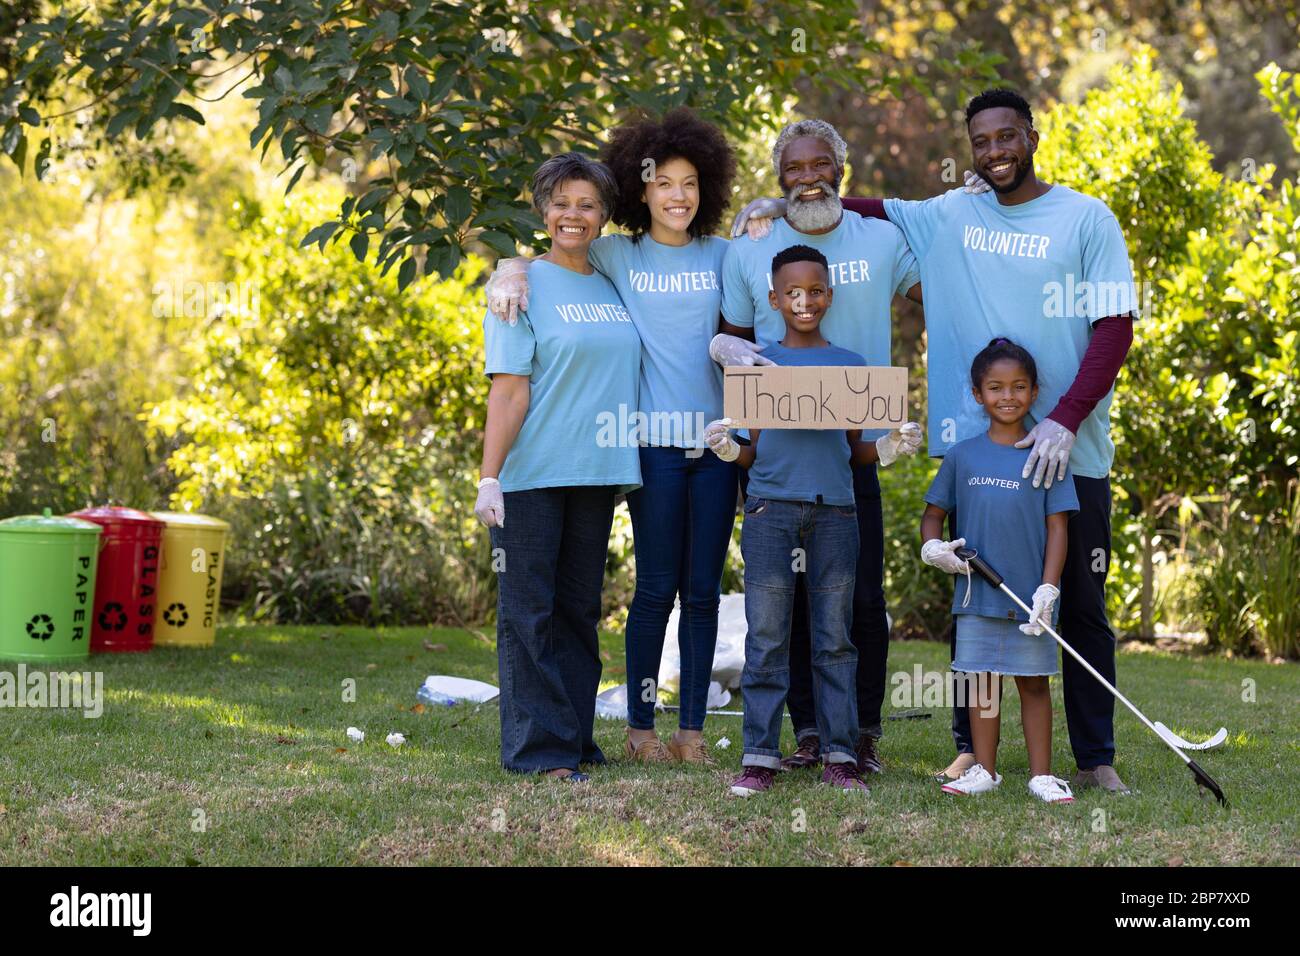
798, 253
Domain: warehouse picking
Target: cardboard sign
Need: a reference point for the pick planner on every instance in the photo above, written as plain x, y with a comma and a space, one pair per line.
846, 397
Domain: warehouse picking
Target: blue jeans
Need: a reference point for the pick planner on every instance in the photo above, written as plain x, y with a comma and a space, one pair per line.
870, 628
553, 545
778, 539
681, 524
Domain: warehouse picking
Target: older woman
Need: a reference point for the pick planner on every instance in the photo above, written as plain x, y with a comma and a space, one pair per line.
674, 175
570, 363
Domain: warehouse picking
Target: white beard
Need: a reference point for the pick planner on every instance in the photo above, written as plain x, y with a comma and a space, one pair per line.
812, 215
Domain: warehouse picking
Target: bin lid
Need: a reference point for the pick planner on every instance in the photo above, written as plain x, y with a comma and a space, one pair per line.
47, 523
114, 514
187, 519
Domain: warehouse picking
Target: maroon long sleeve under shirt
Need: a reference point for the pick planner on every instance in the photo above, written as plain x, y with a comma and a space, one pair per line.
1102, 360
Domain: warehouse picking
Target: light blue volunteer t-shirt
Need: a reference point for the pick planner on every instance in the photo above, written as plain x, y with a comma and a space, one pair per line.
1002, 516
1040, 273
805, 464
674, 294
582, 355
869, 261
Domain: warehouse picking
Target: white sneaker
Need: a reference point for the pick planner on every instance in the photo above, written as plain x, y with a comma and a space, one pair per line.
975, 780
1050, 789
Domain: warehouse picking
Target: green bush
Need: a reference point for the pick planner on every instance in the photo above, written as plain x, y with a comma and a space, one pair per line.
1247, 575
1275, 611
1224, 573
1207, 402
338, 426
917, 596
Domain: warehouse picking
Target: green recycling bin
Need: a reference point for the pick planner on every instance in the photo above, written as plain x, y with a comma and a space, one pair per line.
47, 587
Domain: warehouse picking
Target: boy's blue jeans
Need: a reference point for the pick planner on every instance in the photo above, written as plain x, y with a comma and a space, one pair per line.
778, 539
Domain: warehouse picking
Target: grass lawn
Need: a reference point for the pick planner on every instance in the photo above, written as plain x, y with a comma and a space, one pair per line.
252, 733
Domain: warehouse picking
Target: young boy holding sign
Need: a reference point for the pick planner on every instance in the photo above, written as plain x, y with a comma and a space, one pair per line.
800, 517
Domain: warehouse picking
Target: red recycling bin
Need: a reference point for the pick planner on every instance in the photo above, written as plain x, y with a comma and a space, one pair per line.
127, 580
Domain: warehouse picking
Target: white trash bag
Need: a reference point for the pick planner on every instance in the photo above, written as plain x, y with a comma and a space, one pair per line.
611, 704
728, 655
719, 696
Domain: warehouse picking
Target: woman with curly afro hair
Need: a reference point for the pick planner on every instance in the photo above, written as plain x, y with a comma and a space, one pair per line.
674, 178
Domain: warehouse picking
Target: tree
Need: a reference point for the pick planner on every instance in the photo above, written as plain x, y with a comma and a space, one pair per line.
439, 111
336, 422
1203, 406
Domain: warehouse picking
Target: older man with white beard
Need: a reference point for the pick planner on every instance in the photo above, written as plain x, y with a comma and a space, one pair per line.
869, 263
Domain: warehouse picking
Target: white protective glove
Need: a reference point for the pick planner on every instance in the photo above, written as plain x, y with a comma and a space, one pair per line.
507, 289
733, 350
939, 554
1052, 443
975, 183
1044, 597
904, 440
756, 218
491, 504
717, 435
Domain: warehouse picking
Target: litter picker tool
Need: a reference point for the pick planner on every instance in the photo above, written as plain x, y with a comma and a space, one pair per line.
986, 571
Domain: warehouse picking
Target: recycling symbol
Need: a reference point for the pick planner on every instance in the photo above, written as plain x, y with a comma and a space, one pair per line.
176, 615
112, 618
40, 627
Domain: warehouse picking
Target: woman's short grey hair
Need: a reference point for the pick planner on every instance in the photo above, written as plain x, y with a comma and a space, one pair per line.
560, 169
811, 127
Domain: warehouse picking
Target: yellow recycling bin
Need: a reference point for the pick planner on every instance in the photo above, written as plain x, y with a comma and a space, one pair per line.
189, 579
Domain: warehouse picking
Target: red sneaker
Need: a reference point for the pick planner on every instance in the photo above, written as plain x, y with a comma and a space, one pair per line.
845, 776
753, 780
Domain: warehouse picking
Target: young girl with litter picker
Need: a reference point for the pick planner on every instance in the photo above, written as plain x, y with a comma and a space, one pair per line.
1023, 529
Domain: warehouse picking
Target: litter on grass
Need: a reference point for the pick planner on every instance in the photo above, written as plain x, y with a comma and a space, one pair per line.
611, 704
395, 739
444, 690
355, 735
434, 698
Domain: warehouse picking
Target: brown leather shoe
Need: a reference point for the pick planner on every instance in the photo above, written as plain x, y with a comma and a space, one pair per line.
955, 769
808, 754
648, 751
691, 751
868, 758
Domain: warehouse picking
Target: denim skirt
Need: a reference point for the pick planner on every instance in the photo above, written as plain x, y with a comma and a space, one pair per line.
997, 645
